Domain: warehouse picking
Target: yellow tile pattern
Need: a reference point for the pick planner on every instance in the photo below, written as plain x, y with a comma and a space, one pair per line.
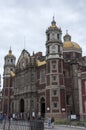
40, 63
71, 45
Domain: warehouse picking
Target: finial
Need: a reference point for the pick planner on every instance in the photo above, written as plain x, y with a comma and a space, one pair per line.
53, 23
10, 51
10, 47
66, 31
53, 18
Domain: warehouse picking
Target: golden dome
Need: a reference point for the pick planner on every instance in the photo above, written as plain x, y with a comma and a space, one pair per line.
69, 45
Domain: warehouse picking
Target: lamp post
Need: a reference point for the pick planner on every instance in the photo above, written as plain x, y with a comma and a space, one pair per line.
48, 109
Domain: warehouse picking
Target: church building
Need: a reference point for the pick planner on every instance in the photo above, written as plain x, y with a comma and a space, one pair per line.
54, 84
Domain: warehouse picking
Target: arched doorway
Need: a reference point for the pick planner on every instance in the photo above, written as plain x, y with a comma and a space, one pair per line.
12, 110
42, 107
22, 105
21, 108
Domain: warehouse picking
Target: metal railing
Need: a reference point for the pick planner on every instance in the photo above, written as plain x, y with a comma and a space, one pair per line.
22, 125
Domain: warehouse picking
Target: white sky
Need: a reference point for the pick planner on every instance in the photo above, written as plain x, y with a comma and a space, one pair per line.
25, 21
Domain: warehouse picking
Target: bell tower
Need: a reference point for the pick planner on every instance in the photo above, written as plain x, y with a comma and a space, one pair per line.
9, 65
55, 89
54, 46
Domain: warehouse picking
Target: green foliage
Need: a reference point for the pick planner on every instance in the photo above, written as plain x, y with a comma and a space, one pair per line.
62, 122
70, 122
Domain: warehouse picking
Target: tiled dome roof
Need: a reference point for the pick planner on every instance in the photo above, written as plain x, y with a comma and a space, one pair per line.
71, 45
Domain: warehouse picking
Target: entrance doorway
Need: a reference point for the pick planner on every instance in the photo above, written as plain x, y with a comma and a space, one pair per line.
22, 108
21, 105
43, 107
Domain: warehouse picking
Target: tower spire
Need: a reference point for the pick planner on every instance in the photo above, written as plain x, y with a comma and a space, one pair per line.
53, 23
10, 47
53, 18
66, 31
10, 51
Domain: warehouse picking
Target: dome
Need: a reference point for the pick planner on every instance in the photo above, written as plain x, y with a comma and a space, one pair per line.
69, 45
10, 54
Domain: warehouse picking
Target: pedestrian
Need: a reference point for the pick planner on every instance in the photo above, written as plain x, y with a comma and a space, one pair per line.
39, 116
1, 117
52, 122
49, 121
28, 118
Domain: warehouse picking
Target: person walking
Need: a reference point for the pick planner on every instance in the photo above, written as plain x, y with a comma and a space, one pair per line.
52, 122
49, 121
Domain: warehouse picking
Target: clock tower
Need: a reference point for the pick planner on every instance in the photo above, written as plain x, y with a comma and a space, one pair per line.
55, 89
9, 65
54, 46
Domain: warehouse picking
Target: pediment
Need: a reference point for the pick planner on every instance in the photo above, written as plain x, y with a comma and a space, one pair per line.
24, 60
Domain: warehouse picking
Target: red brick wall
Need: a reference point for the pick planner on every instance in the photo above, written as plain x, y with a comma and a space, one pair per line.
62, 98
47, 99
83, 86
48, 80
83, 103
83, 94
48, 67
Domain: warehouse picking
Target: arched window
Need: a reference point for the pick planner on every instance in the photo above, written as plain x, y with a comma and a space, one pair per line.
58, 36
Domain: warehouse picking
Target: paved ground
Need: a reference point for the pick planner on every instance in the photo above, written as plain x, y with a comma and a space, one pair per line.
64, 127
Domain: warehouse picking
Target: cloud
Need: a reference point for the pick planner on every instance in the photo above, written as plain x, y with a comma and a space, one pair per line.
29, 19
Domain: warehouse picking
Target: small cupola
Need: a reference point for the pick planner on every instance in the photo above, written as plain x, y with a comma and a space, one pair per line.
67, 37
10, 58
53, 23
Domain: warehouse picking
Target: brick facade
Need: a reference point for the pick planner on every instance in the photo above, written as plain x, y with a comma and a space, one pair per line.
54, 84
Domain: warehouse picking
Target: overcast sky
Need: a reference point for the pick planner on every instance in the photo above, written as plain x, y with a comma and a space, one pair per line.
23, 24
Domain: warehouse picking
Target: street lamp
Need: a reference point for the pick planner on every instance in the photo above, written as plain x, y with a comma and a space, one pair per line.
48, 108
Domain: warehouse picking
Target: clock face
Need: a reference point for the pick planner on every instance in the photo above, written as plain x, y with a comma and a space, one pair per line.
53, 49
